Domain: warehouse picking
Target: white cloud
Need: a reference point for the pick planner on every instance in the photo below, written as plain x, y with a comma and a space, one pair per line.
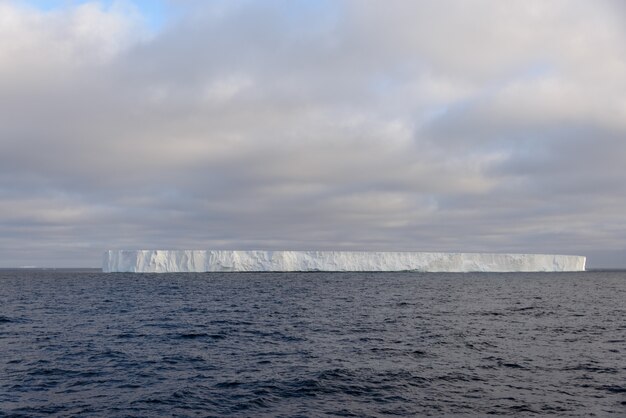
39, 42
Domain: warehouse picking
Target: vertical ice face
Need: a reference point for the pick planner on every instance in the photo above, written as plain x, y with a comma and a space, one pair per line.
164, 261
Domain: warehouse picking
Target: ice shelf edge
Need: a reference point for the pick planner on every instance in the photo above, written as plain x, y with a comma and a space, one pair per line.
173, 261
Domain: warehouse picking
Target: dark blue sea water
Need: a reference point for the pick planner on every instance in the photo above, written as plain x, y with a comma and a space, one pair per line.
313, 344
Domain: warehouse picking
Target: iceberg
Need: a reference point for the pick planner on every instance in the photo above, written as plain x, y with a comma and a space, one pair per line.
174, 261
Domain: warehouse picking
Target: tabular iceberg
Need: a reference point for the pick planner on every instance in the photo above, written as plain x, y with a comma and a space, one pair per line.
171, 261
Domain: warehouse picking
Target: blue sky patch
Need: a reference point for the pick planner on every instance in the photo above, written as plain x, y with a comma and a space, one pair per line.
155, 12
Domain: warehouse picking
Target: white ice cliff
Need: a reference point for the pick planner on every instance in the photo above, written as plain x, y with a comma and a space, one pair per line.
170, 261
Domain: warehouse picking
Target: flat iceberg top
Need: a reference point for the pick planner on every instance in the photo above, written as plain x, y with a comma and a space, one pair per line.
172, 261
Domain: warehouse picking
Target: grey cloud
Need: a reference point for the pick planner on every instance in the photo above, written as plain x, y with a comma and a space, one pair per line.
454, 126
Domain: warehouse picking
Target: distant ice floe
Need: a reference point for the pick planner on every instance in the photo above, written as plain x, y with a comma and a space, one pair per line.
172, 261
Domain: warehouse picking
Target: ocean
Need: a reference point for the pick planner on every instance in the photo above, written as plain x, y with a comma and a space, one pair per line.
84, 343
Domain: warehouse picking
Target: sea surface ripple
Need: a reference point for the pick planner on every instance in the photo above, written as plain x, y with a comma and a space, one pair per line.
84, 343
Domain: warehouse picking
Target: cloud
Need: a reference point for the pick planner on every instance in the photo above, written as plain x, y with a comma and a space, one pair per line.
444, 125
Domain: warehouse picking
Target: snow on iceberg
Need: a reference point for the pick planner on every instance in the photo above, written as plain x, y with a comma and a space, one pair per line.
171, 261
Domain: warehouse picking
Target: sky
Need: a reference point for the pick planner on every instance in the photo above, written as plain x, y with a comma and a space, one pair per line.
444, 125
